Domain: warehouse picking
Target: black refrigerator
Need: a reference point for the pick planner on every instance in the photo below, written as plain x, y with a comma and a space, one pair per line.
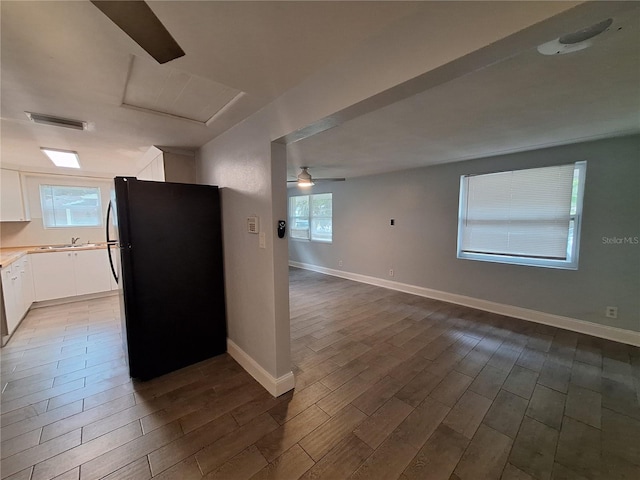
167, 260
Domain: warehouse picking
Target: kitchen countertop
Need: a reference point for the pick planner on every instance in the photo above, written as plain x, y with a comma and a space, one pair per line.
11, 254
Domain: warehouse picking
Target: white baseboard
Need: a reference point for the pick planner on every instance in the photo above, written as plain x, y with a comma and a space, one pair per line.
76, 298
275, 386
581, 326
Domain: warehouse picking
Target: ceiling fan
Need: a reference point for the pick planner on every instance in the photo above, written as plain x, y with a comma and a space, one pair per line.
305, 179
138, 21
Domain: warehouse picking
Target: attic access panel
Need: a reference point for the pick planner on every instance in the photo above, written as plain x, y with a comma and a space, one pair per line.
166, 90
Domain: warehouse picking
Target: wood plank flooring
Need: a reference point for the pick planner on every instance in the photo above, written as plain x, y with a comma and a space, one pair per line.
388, 385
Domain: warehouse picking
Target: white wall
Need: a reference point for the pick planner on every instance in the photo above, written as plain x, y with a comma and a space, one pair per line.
33, 233
421, 247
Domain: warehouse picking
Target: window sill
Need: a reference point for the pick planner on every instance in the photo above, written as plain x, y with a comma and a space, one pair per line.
523, 261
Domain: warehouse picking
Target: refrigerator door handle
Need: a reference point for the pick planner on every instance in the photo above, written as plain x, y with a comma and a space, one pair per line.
109, 244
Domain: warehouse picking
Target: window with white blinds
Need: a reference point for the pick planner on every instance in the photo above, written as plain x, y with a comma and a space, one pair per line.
527, 217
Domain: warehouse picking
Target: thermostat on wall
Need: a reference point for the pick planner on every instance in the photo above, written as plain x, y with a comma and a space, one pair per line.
253, 225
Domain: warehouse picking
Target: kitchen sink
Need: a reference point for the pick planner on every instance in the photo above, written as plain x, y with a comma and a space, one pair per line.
60, 247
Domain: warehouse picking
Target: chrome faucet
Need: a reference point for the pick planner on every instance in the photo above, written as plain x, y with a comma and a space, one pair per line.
74, 240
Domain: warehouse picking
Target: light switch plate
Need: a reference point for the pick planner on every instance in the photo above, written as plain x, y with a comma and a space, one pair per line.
262, 240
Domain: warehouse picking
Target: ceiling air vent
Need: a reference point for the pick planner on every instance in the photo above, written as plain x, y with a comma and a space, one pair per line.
56, 121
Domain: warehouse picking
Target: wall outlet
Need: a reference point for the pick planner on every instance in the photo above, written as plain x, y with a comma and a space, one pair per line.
339, 263
391, 272
611, 312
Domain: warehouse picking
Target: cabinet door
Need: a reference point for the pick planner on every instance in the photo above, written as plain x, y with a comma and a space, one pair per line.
28, 294
91, 271
16, 268
53, 275
8, 295
11, 199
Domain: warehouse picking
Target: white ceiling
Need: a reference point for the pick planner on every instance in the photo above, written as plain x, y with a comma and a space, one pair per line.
523, 102
163, 89
68, 59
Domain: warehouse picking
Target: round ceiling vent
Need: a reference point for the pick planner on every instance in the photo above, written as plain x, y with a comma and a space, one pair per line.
575, 41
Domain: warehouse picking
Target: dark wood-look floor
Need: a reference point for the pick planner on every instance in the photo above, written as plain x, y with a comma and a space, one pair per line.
389, 385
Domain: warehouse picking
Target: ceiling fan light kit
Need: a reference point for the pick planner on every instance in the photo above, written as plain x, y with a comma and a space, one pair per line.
575, 41
304, 179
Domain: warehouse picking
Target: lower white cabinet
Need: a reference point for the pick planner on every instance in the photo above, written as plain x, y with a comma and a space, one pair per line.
17, 291
91, 268
70, 273
28, 293
53, 275
49, 276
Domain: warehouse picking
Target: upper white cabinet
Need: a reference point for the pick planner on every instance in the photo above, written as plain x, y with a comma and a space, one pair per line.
153, 171
70, 273
13, 207
169, 166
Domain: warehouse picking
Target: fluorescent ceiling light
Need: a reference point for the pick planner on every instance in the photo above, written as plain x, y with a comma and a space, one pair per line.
62, 158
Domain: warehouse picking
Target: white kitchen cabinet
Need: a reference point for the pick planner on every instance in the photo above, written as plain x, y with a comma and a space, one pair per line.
9, 297
26, 273
53, 275
91, 271
70, 273
170, 166
12, 205
153, 171
15, 292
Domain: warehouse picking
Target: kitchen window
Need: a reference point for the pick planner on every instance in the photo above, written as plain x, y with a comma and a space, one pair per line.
70, 206
524, 217
310, 217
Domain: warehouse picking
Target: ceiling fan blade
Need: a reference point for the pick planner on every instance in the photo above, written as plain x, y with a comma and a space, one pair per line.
321, 180
138, 21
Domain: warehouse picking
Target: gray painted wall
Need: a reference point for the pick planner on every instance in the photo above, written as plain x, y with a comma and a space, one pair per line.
421, 247
240, 162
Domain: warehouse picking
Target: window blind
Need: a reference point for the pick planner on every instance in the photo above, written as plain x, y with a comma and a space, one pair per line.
525, 213
70, 206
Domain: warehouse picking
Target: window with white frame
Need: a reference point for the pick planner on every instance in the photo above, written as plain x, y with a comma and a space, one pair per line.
526, 217
70, 206
310, 217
